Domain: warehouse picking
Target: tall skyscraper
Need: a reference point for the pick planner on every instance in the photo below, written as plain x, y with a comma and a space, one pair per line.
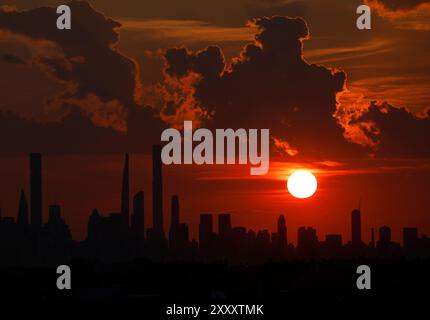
175, 239
36, 190
138, 219
175, 211
125, 193
224, 224
157, 192
372, 237
205, 231
282, 232
356, 226
23, 210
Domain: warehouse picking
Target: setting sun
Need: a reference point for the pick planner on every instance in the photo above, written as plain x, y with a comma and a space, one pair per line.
302, 184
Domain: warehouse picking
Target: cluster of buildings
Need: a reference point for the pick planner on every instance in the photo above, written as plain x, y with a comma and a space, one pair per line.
123, 236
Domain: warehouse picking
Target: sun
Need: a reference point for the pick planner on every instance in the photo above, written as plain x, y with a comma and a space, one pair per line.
302, 184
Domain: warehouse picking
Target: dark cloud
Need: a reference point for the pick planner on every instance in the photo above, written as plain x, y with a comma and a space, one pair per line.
76, 134
280, 8
11, 58
103, 83
208, 63
402, 4
400, 134
89, 60
218, 12
86, 57
270, 85
21, 136
179, 61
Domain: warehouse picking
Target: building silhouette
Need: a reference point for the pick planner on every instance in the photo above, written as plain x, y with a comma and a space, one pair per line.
157, 193
307, 242
282, 233
356, 226
410, 237
23, 218
125, 192
36, 190
332, 246
138, 217
372, 238
384, 235
224, 225
205, 233
178, 233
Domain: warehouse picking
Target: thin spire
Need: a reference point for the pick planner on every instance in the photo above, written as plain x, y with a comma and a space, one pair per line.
125, 194
23, 210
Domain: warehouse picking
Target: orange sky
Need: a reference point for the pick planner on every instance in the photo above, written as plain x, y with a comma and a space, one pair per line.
393, 197
386, 64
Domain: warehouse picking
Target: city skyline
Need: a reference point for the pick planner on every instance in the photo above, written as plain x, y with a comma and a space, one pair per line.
123, 235
213, 157
339, 102
156, 204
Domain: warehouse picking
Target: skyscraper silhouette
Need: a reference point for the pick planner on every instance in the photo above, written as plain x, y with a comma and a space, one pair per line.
384, 235
307, 242
356, 226
157, 192
282, 232
175, 211
205, 232
138, 219
23, 210
410, 238
178, 233
36, 190
224, 224
125, 193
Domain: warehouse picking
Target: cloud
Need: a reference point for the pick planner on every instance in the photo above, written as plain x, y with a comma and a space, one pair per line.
277, 7
184, 31
408, 14
269, 85
400, 5
102, 86
207, 63
218, 12
8, 8
400, 134
11, 58
307, 107
85, 58
101, 83
75, 134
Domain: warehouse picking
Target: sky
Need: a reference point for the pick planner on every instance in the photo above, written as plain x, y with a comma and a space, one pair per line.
350, 105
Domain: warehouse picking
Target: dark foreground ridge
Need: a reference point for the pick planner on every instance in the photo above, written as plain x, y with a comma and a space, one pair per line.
279, 286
